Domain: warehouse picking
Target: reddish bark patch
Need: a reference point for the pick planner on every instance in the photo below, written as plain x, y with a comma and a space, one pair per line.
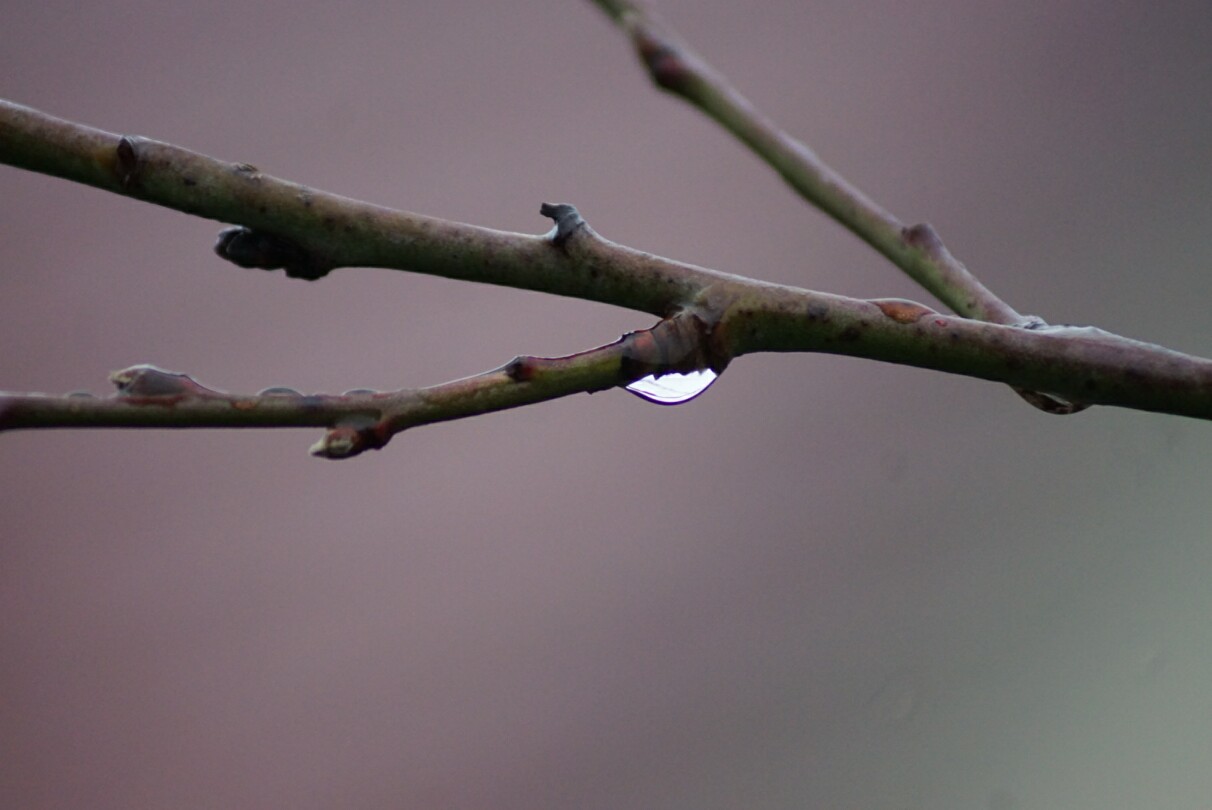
903, 311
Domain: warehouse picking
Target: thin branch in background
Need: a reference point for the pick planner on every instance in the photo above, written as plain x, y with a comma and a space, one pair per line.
917, 250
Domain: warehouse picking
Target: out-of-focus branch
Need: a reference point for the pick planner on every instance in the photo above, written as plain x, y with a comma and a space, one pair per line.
917, 250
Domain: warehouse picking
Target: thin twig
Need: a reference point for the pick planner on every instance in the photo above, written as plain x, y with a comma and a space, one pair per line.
917, 249
149, 397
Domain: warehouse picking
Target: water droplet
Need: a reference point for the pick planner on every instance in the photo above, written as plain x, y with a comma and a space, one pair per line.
673, 389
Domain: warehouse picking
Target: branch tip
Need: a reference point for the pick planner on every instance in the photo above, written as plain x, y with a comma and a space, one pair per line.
150, 381
664, 61
567, 220
260, 250
520, 368
922, 236
348, 439
127, 165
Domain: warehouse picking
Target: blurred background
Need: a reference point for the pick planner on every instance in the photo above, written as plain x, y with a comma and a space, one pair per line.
825, 583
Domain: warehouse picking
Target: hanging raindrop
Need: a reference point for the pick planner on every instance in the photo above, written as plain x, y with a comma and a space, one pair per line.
673, 388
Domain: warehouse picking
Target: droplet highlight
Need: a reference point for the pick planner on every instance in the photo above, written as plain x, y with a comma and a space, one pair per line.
673, 388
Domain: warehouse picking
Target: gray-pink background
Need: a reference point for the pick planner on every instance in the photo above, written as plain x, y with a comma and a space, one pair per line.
826, 583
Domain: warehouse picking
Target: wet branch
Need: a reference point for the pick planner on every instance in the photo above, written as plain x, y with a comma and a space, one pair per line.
707, 317
360, 420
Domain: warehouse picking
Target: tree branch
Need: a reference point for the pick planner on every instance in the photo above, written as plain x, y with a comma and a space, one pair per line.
917, 250
149, 397
708, 317
311, 232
